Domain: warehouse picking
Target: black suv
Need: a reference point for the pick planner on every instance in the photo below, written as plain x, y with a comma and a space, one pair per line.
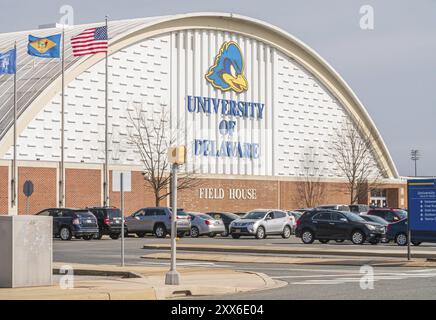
326, 225
109, 221
80, 223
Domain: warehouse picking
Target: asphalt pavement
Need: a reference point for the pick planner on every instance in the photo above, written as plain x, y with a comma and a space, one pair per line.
304, 281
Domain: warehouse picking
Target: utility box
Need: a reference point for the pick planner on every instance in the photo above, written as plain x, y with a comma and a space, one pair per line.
26, 251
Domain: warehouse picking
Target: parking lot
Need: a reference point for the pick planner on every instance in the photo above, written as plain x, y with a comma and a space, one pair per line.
303, 281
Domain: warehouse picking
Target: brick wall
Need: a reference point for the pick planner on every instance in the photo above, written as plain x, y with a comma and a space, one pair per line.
44, 195
266, 192
140, 197
3, 190
83, 188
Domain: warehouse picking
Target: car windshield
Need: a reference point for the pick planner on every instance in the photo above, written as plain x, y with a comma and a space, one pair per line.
374, 219
180, 212
205, 217
354, 217
113, 213
255, 215
402, 214
84, 214
297, 215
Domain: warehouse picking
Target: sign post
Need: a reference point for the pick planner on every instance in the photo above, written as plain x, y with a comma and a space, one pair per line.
176, 156
421, 208
121, 182
28, 191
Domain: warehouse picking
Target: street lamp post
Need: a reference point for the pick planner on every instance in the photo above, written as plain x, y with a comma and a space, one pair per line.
176, 157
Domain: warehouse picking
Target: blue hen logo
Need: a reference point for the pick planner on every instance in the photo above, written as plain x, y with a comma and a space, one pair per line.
228, 71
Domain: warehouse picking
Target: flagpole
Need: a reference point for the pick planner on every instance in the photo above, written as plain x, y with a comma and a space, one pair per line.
14, 161
106, 167
61, 169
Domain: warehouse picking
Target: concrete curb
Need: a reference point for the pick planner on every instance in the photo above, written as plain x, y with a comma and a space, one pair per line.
102, 273
303, 261
283, 251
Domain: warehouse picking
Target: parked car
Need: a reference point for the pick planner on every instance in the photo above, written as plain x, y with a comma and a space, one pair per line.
390, 215
302, 210
337, 207
375, 219
68, 223
226, 218
326, 225
359, 208
296, 214
293, 217
109, 221
156, 221
261, 223
397, 232
204, 224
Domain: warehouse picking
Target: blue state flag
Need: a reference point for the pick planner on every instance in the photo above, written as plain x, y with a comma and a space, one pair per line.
8, 62
48, 47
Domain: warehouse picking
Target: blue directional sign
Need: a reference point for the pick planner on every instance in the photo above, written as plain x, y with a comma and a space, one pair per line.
422, 205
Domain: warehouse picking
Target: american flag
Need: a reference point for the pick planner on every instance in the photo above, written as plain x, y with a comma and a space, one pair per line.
90, 41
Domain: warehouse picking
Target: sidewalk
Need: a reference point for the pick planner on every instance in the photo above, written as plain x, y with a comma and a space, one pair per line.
144, 283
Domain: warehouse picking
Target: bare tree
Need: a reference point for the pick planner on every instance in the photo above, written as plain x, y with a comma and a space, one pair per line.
355, 157
310, 191
150, 137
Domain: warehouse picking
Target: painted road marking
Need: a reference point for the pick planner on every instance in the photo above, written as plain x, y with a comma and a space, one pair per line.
346, 279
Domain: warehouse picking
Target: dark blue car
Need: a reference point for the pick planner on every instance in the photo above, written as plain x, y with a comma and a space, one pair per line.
398, 232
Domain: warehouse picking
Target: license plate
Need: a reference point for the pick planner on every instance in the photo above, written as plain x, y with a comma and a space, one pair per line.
117, 221
237, 230
88, 221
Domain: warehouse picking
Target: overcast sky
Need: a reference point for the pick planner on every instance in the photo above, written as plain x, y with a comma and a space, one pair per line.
392, 68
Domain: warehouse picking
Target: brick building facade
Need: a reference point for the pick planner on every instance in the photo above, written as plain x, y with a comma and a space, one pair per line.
229, 194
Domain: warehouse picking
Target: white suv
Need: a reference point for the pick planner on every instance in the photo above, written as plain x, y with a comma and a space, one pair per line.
262, 222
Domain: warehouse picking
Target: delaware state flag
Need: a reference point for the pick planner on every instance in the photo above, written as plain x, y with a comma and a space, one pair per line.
48, 47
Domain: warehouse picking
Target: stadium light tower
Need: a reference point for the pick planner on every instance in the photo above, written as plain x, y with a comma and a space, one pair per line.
415, 155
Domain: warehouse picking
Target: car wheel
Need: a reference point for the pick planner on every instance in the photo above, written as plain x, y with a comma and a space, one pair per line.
65, 234
357, 237
401, 239
212, 235
324, 241
286, 232
115, 236
99, 235
416, 243
340, 240
260, 233
160, 231
140, 234
307, 237
88, 238
236, 236
195, 233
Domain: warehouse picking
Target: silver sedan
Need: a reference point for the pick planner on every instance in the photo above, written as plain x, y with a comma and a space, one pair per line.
203, 224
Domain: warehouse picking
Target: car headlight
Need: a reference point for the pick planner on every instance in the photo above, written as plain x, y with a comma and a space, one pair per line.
371, 227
